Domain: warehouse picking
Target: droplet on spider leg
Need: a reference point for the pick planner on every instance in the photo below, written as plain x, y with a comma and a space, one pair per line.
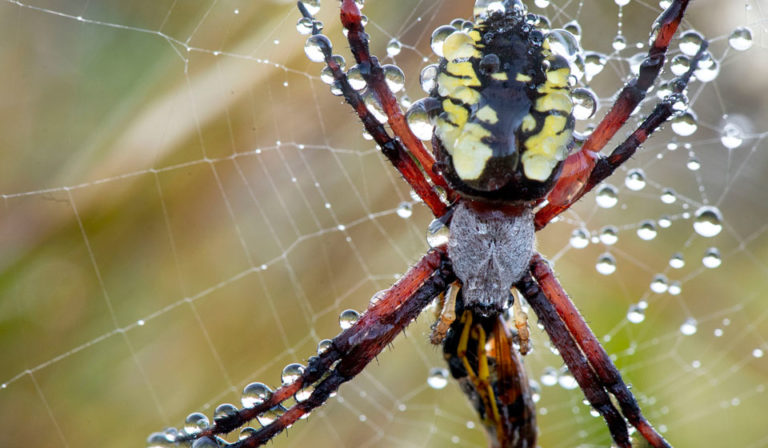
316, 47
428, 78
195, 422
303, 394
223, 411
438, 38
348, 318
437, 378
690, 42
421, 116
708, 221
246, 432
394, 77
271, 415
313, 6
437, 233
584, 103
291, 373
205, 442
304, 26
159, 440
255, 394
323, 346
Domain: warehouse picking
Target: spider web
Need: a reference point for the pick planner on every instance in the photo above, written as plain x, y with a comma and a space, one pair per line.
187, 209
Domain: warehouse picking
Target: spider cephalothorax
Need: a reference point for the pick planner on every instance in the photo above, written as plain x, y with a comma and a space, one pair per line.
503, 121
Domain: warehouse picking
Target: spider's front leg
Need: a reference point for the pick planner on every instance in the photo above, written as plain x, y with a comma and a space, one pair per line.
578, 345
348, 353
586, 168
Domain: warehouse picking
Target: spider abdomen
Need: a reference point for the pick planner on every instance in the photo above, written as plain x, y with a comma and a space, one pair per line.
490, 250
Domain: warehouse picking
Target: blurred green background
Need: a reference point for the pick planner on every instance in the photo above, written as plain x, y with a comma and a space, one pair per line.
187, 209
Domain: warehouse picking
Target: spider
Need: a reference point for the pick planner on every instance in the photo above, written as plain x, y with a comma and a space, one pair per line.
505, 162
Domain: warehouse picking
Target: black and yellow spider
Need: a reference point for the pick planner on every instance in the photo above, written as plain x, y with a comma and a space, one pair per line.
504, 163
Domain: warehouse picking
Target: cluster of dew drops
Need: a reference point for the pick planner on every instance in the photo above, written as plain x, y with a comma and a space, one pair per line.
584, 65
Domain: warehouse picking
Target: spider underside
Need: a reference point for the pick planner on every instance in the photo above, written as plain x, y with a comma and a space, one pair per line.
493, 203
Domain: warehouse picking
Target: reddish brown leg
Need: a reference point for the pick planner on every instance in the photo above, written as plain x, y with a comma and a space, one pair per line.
374, 77
577, 363
576, 178
393, 149
608, 374
353, 349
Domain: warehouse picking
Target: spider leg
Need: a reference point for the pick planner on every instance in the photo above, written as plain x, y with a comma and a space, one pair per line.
576, 179
607, 373
374, 77
350, 351
393, 149
577, 363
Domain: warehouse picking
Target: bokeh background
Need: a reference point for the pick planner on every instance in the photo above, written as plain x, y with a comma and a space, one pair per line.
186, 209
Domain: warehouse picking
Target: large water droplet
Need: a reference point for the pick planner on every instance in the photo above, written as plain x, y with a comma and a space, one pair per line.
579, 238
584, 103
437, 233
740, 38
607, 196
708, 221
609, 235
690, 42
635, 179
195, 422
438, 38
291, 373
394, 47
316, 47
606, 264
254, 394
647, 230
712, 258
348, 318
224, 411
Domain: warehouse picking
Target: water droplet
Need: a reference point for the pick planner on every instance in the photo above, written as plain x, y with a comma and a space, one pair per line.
675, 288
304, 26
313, 6
740, 39
689, 327
394, 47
541, 3
437, 378
195, 422
668, 196
438, 38
205, 442
316, 47
635, 179
635, 314
579, 238
291, 373
246, 432
563, 43
708, 221
254, 394
609, 235
619, 43
348, 318
594, 64
707, 69
659, 284
731, 135
421, 115
647, 230
758, 353
404, 210
693, 164
437, 233
304, 394
428, 78
607, 196
549, 377
677, 261
690, 42
159, 440
679, 65
606, 264
394, 77
323, 346
712, 258
355, 78
685, 124
223, 411
270, 416
374, 106
584, 103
